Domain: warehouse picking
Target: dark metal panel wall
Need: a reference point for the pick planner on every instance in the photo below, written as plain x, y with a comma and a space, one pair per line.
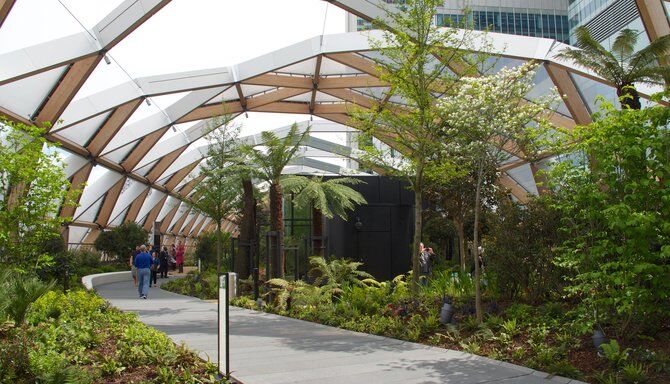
383, 241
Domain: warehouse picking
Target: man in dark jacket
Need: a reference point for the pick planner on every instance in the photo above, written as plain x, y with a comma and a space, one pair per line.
164, 262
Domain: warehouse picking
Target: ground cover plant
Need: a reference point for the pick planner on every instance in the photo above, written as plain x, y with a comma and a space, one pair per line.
201, 285
47, 336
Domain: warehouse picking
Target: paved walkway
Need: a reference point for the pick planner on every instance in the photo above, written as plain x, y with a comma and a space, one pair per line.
272, 349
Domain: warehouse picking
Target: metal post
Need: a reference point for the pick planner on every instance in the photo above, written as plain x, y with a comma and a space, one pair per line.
267, 255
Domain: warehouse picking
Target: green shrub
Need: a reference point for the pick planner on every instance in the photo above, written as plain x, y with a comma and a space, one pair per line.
565, 369
615, 354
634, 373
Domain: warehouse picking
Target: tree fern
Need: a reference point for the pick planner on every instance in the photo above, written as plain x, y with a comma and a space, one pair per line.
623, 66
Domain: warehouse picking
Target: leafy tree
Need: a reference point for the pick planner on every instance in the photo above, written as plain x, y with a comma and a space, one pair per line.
218, 194
33, 187
326, 198
121, 240
451, 190
484, 118
616, 218
623, 66
414, 59
521, 248
205, 249
267, 163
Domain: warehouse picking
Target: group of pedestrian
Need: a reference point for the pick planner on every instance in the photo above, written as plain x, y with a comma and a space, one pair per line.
147, 263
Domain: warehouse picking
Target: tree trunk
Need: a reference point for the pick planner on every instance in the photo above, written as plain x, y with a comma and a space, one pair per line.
631, 97
461, 241
277, 224
244, 260
317, 232
418, 203
218, 248
475, 246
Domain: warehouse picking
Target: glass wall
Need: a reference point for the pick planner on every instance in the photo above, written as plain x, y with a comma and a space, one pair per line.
513, 21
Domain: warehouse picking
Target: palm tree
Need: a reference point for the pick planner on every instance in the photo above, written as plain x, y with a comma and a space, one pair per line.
268, 165
326, 198
623, 66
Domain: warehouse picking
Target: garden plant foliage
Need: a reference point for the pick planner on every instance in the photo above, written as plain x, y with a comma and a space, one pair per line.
77, 337
614, 198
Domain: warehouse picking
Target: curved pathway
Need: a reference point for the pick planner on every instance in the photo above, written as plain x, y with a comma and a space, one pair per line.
273, 349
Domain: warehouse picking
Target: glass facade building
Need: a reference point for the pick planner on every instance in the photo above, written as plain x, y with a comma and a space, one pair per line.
525, 18
605, 18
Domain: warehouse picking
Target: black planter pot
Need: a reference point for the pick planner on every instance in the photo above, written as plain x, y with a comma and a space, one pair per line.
598, 339
447, 312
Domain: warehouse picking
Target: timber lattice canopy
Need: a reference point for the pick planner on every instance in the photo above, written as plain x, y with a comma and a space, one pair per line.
137, 170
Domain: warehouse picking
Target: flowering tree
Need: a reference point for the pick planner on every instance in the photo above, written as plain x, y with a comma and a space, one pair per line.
485, 119
414, 59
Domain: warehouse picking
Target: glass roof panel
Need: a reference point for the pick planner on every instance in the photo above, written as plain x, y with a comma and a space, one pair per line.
524, 177
118, 220
24, 96
76, 235
81, 133
119, 154
52, 18
590, 90
227, 95
89, 213
103, 77
302, 68
544, 85
250, 90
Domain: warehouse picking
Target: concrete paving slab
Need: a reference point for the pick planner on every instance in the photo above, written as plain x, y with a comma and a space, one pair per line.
271, 349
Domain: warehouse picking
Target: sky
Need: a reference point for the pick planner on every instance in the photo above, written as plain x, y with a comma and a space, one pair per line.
184, 35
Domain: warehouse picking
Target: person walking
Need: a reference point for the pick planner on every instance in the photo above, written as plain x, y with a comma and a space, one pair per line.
171, 259
155, 265
179, 258
133, 268
143, 264
163, 256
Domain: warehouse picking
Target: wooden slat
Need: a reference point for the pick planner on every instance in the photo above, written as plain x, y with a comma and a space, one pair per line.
177, 225
271, 97
362, 81
315, 83
566, 87
163, 164
187, 228
195, 231
5, 8
91, 236
153, 214
168, 218
352, 97
188, 187
654, 18
540, 179
112, 126
135, 207
240, 94
356, 62
284, 107
273, 80
146, 144
62, 94
110, 199
209, 111
514, 188
77, 181
180, 175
